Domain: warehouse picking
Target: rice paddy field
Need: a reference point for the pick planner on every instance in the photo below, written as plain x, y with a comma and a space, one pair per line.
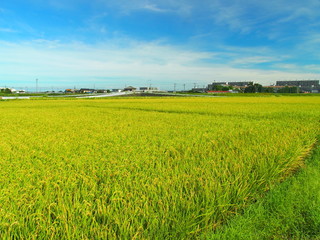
144, 168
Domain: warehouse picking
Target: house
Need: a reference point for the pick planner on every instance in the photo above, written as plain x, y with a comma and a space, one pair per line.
143, 89
69, 90
87, 90
101, 91
129, 89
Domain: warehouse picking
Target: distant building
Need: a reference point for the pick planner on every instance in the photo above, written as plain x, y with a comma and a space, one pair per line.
219, 83
8, 90
129, 89
11, 90
87, 90
299, 83
148, 89
311, 86
199, 90
116, 90
101, 91
240, 84
21, 91
211, 86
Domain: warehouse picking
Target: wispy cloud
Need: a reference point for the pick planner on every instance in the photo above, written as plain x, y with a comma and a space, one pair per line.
7, 30
82, 64
95, 24
165, 6
311, 70
254, 60
12, 22
265, 18
154, 8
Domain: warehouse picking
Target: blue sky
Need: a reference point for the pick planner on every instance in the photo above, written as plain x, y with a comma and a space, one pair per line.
110, 44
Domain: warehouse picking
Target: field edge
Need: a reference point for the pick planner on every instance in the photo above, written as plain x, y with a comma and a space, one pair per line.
291, 210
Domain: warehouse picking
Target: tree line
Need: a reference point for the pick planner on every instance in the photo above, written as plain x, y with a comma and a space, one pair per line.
257, 88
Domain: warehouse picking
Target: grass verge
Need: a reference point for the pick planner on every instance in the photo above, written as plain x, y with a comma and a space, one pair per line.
289, 211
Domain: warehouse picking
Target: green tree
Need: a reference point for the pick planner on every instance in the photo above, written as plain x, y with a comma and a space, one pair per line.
221, 88
287, 89
6, 90
253, 88
268, 89
217, 88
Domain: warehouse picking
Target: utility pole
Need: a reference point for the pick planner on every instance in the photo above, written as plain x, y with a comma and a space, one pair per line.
174, 87
195, 85
184, 87
149, 84
37, 85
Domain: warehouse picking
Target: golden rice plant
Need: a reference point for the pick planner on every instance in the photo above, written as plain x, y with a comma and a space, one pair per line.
144, 168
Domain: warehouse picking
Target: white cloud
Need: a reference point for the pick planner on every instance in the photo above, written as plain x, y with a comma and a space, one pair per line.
309, 68
286, 66
80, 64
313, 68
254, 60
